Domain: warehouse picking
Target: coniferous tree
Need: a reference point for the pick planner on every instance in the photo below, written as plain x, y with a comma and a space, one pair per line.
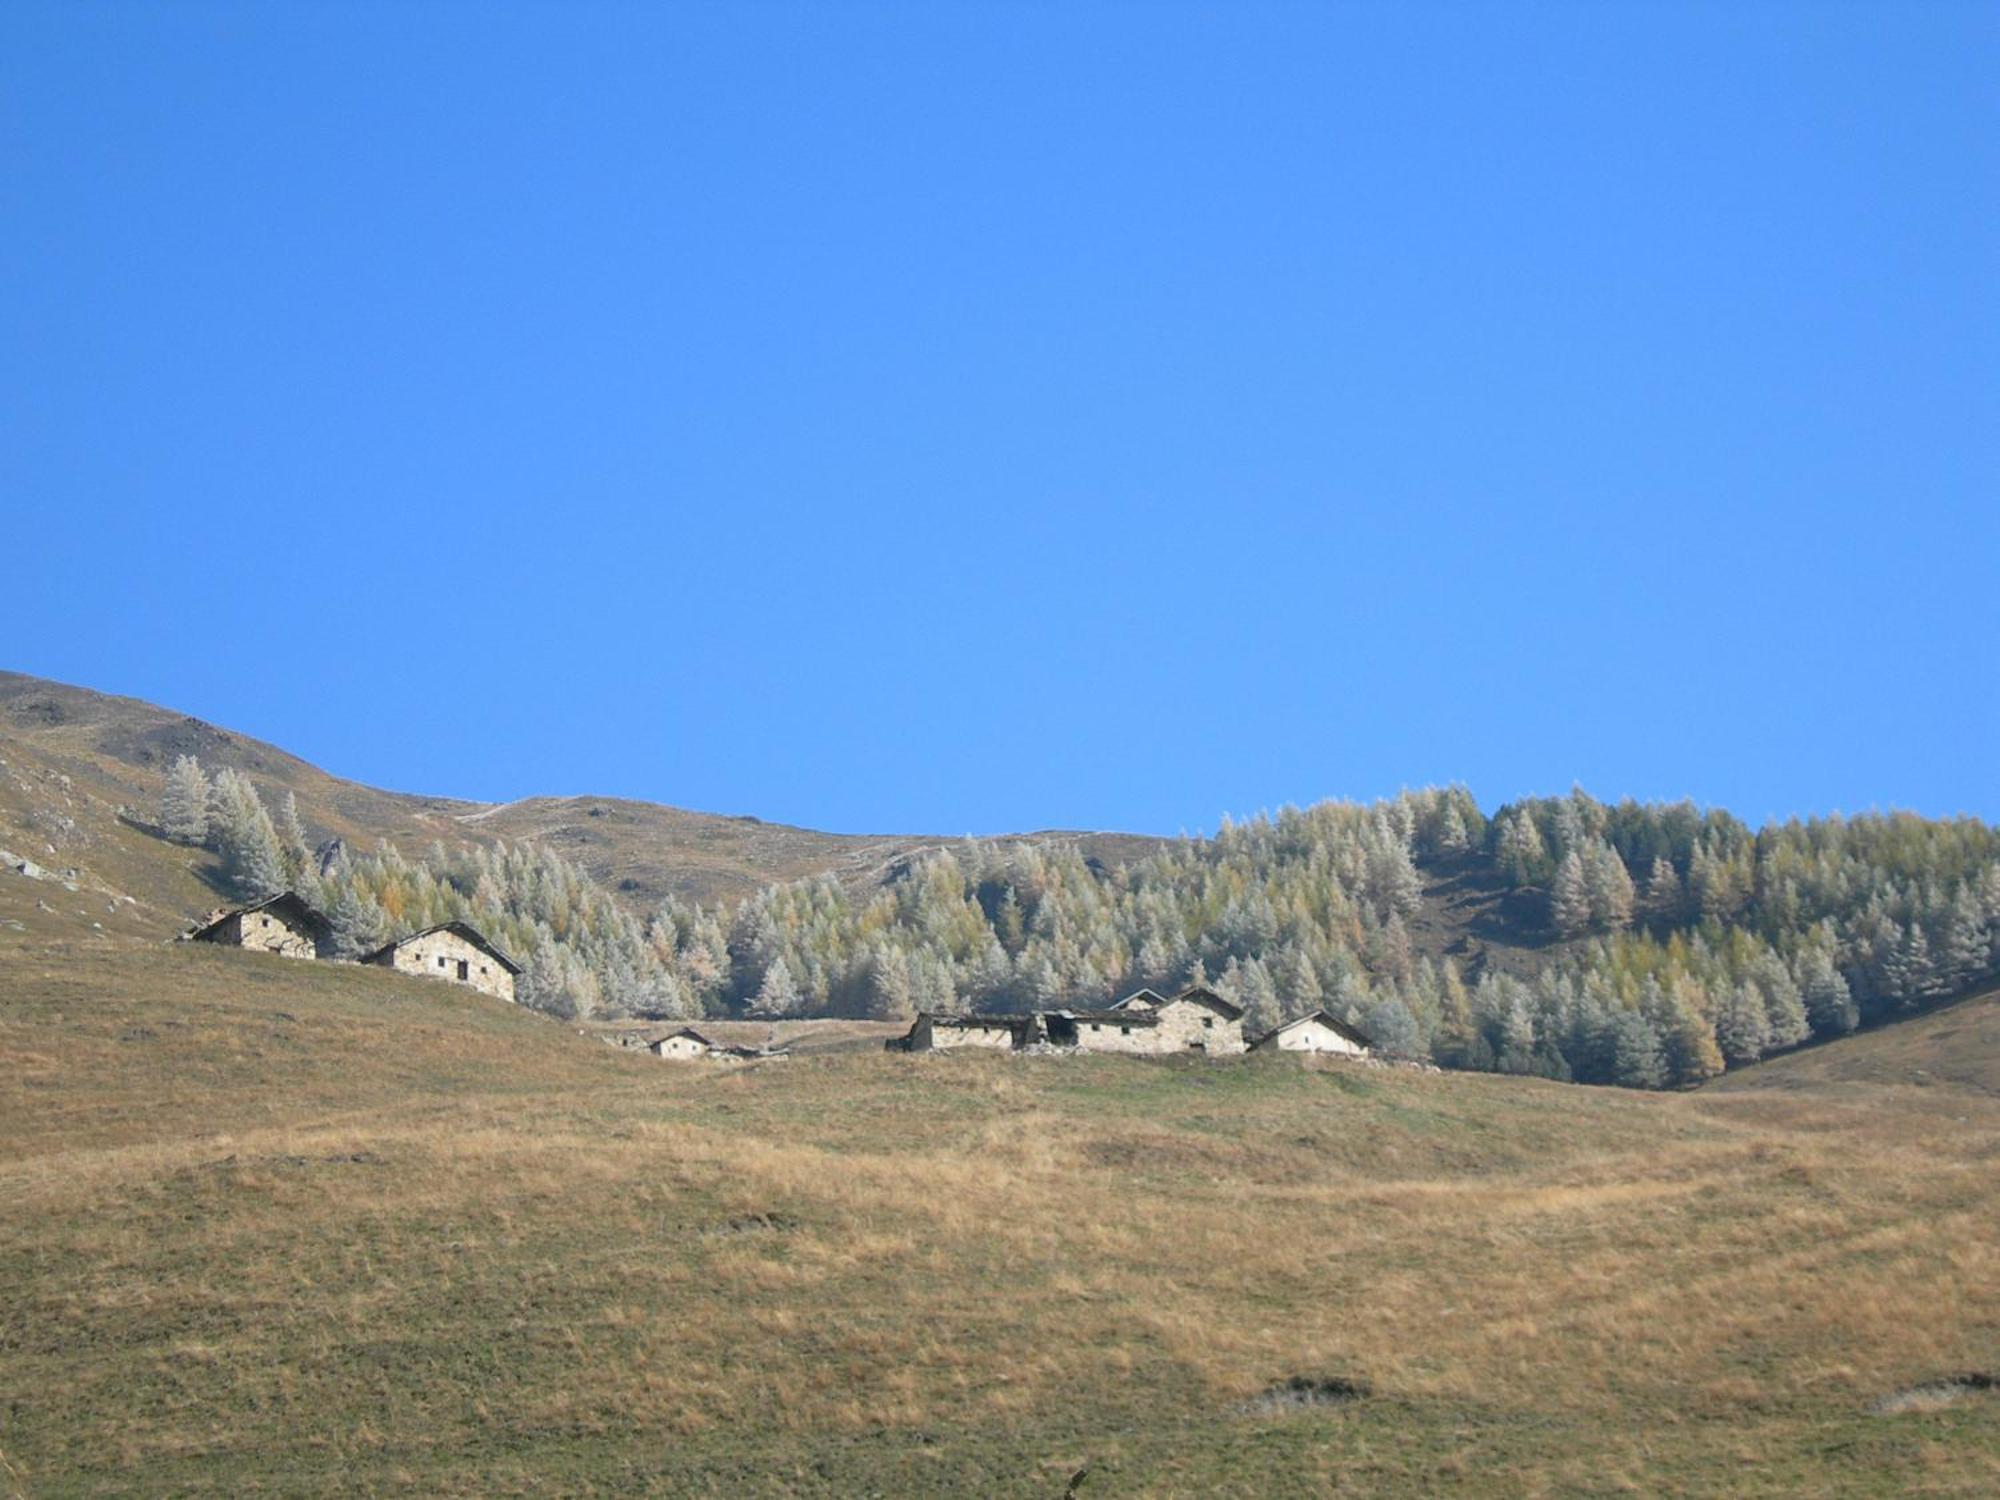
1638, 1060
292, 838
1784, 1007
184, 802
1609, 888
1516, 1049
889, 993
1520, 849
1453, 838
358, 926
1828, 1000
1249, 983
1689, 1040
1569, 897
778, 995
1908, 972
1742, 1026
1664, 898
1391, 1029
1962, 952
252, 860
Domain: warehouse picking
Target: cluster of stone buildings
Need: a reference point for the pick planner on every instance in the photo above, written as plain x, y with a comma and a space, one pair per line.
1143, 1024
289, 925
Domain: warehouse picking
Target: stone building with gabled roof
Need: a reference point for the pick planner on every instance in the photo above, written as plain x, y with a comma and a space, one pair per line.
1142, 1024
285, 924
1318, 1032
687, 1044
456, 951
680, 1045
1199, 1020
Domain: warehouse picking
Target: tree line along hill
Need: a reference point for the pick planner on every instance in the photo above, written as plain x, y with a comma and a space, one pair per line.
1646, 945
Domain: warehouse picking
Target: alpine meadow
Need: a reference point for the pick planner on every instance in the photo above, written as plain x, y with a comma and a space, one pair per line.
1031, 752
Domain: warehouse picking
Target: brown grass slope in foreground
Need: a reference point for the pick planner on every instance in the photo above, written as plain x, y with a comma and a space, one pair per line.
274, 1227
73, 757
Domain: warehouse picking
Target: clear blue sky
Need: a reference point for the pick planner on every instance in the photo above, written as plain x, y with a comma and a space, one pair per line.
958, 417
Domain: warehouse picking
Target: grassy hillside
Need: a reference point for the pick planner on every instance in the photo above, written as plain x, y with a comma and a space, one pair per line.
71, 759
1957, 1044
307, 1229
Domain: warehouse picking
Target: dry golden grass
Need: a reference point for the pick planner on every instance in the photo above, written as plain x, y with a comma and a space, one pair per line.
299, 1229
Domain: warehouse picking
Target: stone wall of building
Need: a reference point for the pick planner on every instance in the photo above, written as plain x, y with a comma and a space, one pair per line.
1177, 1027
680, 1048
1185, 1026
446, 955
1111, 1034
262, 932
1315, 1036
941, 1038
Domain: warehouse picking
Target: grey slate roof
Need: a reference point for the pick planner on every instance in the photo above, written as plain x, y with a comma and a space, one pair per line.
284, 904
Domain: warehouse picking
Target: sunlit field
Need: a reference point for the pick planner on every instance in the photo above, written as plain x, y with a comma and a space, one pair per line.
275, 1227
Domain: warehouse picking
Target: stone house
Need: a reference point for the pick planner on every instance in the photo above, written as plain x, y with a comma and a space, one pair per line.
1196, 1020
681, 1045
1318, 1032
688, 1044
452, 950
932, 1033
1199, 1020
286, 924
1142, 1024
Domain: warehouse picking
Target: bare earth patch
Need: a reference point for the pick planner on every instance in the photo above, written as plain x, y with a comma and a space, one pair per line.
1935, 1395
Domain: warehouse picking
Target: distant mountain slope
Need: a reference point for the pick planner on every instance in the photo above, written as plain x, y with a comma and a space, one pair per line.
80, 767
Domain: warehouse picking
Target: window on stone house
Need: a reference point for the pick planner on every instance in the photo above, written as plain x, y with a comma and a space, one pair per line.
1207, 1023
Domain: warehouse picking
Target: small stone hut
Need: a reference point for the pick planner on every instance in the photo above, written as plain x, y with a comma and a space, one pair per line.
688, 1044
1318, 1032
285, 924
680, 1045
452, 950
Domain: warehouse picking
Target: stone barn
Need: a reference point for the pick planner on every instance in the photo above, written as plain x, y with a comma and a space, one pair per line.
1199, 1020
681, 1045
1135, 1030
931, 1033
455, 951
1318, 1032
285, 924
1195, 1020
